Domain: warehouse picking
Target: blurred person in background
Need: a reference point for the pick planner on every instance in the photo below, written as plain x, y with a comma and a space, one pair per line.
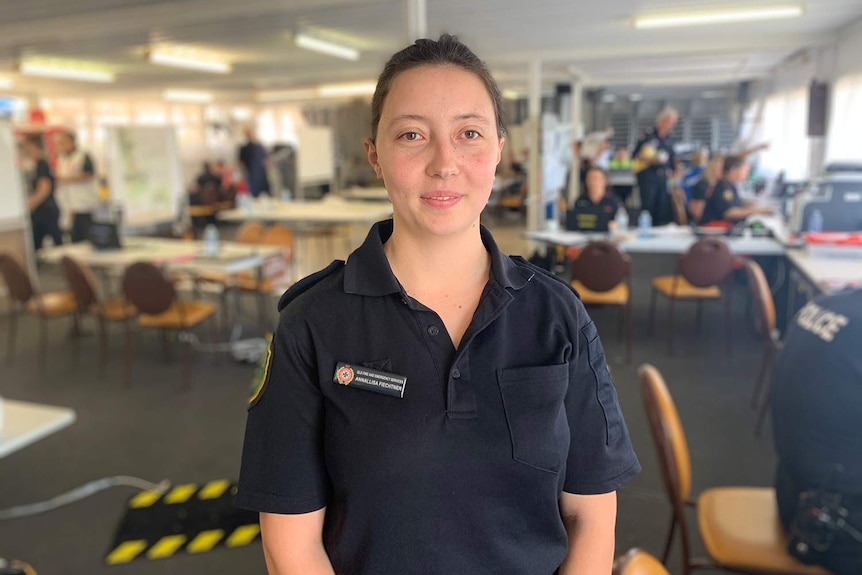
44, 213
77, 186
654, 162
725, 203
693, 174
705, 186
594, 211
252, 158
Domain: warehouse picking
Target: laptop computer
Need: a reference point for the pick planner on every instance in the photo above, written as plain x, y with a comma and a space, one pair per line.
104, 236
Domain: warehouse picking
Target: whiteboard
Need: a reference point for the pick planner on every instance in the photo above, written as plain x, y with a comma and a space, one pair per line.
12, 209
145, 173
316, 156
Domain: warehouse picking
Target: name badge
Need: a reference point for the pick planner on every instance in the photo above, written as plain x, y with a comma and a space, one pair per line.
370, 379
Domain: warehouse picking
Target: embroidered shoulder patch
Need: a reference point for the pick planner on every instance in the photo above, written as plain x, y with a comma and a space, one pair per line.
261, 373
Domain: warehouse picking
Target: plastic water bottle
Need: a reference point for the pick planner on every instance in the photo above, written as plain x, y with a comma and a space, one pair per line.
815, 221
211, 241
243, 201
644, 224
286, 195
622, 219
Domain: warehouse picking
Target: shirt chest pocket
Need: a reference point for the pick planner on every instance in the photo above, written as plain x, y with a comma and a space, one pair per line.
533, 400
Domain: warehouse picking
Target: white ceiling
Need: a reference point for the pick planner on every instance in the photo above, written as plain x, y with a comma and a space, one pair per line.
591, 38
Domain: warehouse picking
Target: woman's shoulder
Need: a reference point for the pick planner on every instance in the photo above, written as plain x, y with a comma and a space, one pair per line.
313, 288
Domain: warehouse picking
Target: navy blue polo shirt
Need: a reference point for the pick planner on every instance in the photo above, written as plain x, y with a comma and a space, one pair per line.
589, 217
464, 472
724, 196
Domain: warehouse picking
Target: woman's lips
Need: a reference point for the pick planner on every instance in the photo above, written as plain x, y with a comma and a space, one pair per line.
441, 199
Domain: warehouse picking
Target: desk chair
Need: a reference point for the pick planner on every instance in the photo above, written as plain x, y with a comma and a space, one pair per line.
24, 298
249, 232
601, 274
761, 295
263, 283
706, 264
739, 526
638, 562
148, 289
82, 284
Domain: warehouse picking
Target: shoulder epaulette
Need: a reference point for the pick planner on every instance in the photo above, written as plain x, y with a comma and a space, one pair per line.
307, 283
519, 260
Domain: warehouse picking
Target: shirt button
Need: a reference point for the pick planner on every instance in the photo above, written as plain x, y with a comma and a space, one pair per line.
433, 330
456, 373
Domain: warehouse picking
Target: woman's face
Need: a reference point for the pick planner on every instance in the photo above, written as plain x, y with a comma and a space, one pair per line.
437, 149
596, 185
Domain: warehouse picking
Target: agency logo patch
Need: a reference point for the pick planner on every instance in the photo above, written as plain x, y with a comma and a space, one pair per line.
345, 375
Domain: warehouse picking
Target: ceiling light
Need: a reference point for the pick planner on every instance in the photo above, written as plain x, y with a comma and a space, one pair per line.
287, 95
5, 83
636, 97
347, 89
609, 98
717, 17
65, 70
189, 58
192, 96
326, 47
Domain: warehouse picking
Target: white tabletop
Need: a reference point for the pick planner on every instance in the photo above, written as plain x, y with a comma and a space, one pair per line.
25, 423
668, 240
827, 274
328, 211
176, 254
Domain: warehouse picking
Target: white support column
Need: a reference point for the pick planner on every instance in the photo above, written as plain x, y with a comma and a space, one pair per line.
577, 123
417, 20
535, 205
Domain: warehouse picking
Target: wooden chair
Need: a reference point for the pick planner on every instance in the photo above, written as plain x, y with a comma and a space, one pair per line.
249, 232
601, 274
24, 298
739, 526
83, 285
706, 264
764, 305
148, 289
263, 283
638, 562
678, 202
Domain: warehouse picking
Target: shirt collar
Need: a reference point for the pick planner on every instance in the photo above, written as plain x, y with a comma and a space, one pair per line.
367, 271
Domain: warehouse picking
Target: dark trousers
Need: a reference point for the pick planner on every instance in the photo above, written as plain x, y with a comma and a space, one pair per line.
81, 227
844, 557
654, 197
46, 222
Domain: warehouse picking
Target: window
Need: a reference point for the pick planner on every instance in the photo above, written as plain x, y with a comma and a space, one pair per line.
785, 116
843, 142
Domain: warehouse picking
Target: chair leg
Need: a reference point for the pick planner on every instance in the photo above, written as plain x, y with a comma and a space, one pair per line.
670, 317
621, 320
103, 343
166, 345
761, 376
651, 317
129, 352
669, 541
186, 359
76, 339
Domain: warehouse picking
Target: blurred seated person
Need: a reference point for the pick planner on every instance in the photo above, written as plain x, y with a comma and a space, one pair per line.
620, 160
208, 190
816, 404
595, 209
694, 173
725, 203
705, 186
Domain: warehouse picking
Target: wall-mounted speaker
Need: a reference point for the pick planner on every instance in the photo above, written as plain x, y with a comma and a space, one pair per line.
818, 102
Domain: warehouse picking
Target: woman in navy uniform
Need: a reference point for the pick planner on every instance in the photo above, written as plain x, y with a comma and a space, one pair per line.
594, 211
431, 405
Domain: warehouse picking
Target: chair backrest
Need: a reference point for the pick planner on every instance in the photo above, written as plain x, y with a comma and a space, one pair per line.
638, 562
279, 235
249, 232
762, 296
678, 201
148, 288
707, 262
82, 282
17, 281
600, 266
667, 433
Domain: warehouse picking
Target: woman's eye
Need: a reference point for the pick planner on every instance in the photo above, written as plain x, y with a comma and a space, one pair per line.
410, 136
471, 134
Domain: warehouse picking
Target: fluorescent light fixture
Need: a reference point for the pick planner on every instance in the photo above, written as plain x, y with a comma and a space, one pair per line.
188, 58
609, 98
636, 97
717, 17
287, 95
326, 47
65, 70
192, 96
346, 89
5, 83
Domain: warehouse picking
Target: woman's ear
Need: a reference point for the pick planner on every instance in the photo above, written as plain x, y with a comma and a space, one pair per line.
371, 153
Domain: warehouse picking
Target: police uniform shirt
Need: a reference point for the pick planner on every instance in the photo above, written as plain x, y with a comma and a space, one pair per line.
48, 206
724, 196
659, 144
589, 217
463, 473
817, 397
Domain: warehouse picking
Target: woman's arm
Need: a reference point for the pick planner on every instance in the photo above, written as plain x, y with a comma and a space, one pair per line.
40, 193
590, 522
293, 544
